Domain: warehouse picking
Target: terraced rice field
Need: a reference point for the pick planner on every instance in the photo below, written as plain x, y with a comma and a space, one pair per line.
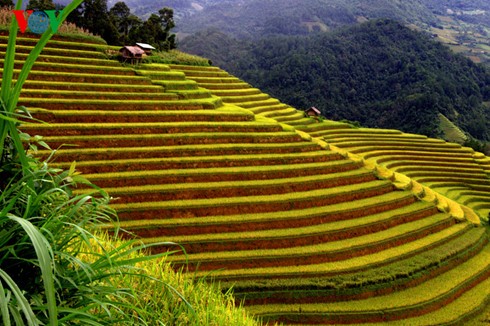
306, 231
448, 168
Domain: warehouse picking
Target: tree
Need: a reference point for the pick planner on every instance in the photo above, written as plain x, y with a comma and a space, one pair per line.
6, 3
41, 5
167, 21
123, 21
156, 30
94, 16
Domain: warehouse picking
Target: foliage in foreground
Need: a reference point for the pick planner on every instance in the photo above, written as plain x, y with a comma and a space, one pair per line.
166, 297
45, 230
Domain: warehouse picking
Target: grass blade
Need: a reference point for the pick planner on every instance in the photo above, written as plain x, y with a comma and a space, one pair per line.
22, 301
44, 255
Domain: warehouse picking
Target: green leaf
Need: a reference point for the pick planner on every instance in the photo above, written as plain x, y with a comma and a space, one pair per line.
21, 299
45, 256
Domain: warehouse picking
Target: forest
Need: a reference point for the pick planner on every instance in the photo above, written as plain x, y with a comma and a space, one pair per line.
380, 73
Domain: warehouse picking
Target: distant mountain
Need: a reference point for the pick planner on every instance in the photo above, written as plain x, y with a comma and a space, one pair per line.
182, 8
254, 18
379, 73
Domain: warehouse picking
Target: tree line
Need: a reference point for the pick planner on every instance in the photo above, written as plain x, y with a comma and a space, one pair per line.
117, 25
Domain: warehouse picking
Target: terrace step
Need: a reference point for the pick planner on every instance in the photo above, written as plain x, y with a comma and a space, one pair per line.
94, 87
58, 59
162, 75
251, 204
56, 44
277, 236
177, 85
318, 129
422, 158
97, 95
375, 281
471, 170
268, 108
177, 163
290, 117
84, 78
192, 68
131, 140
282, 113
109, 104
458, 312
212, 86
239, 188
220, 174
217, 80
413, 147
245, 98
65, 129
253, 104
204, 73
417, 301
389, 141
312, 254
348, 265
117, 153
122, 116
302, 122
237, 92
75, 68
57, 52
354, 210
423, 163
417, 153
192, 94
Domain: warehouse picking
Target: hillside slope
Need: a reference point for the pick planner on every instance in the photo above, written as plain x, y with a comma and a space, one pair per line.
303, 230
379, 73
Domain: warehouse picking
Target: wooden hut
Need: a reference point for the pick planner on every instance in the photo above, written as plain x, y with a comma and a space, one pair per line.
132, 53
313, 112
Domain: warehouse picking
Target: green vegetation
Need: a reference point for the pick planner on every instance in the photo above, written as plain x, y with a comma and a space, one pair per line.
176, 57
379, 73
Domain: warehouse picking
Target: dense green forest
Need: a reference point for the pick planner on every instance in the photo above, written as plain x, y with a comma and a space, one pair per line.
379, 73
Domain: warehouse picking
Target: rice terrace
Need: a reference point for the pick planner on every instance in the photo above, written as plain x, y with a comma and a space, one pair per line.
309, 221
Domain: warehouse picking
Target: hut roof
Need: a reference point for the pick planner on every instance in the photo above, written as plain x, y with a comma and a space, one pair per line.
313, 109
133, 49
145, 46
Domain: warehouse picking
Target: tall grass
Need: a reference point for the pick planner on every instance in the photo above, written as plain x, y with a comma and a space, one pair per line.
53, 270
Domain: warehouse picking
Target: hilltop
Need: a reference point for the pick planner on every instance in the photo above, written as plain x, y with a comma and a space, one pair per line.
379, 73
